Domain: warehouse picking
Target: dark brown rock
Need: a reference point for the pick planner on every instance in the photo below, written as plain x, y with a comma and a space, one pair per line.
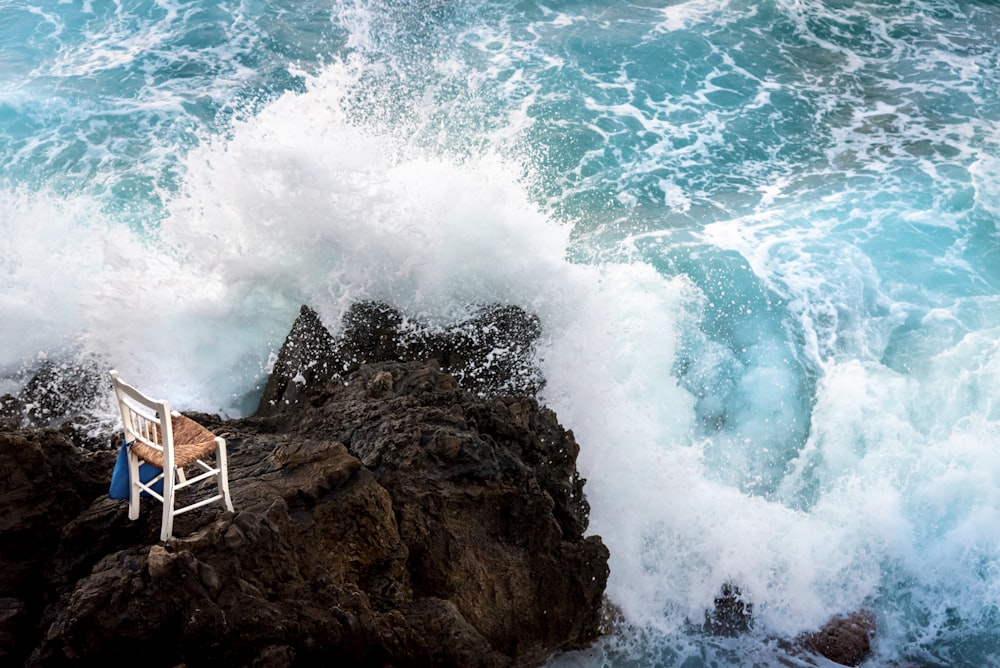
388, 517
488, 501
311, 561
305, 356
388, 513
731, 615
844, 640
489, 354
44, 483
61, 390
11, 412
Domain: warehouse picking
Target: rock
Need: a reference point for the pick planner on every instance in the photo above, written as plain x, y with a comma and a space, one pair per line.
64, 394
844, 640
11, 412
305, 356
60, 390
380, 385
311, 563
45, 482
13, 623
386, 516
732, 614
377, 332
159, 562
489, 354
387, 513
487, 498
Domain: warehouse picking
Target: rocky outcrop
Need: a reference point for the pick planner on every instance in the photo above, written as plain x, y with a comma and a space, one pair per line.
490, 354
61, 390
486, 494
306, 357
844, 640
385, 517
63, 394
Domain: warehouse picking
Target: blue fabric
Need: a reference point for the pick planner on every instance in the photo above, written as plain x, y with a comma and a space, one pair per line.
119, 477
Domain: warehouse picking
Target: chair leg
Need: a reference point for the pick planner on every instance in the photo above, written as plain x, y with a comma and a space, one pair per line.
222, 477
167, 526
133, 487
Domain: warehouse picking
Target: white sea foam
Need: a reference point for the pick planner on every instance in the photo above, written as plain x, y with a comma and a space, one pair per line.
686, 13
50, 257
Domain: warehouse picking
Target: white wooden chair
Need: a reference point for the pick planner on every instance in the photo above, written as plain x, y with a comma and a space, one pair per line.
171, 442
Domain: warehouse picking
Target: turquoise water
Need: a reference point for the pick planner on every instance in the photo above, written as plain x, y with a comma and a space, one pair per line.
761, 236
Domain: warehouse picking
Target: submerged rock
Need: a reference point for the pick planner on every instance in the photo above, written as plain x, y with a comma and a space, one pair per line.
845, 640
732, 613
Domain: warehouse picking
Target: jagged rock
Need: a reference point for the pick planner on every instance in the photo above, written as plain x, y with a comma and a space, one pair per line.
376, 332
387, 517
311, 560
11, 412
44, 483
844, 640
61, 390
491, 353
732, 614
486, 492
63, 394
305, 357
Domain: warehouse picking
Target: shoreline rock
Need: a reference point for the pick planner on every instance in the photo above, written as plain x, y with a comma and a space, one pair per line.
386, 516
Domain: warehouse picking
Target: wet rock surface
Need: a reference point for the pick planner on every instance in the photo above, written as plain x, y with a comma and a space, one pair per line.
845, 640
731, 615
489, 354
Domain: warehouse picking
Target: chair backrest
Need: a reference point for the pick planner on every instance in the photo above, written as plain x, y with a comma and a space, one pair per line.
146, 420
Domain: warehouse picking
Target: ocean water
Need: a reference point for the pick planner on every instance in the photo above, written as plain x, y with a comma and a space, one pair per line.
761, 236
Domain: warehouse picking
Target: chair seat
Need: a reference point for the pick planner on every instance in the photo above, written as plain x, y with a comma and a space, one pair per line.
191, 442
